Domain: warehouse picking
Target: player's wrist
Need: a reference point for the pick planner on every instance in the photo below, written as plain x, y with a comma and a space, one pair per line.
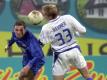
29, 65
6, 47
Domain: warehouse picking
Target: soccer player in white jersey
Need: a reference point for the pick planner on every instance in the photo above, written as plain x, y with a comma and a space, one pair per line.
60, 32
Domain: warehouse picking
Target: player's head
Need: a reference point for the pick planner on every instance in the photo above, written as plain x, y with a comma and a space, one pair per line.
19, 29
50, 11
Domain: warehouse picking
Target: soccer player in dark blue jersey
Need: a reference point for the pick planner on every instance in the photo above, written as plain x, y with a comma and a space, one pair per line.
33, 58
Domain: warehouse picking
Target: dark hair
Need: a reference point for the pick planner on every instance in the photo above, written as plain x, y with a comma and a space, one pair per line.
20, 23
50, 10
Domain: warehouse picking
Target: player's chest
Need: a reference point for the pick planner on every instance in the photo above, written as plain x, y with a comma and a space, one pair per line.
22, 43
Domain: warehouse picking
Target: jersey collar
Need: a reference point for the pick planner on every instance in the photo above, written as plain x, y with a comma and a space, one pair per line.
54, 19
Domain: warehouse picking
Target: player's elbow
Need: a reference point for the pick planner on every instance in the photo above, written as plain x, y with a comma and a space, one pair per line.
83, 30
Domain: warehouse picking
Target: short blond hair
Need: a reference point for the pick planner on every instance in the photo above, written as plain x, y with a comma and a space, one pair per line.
50, 10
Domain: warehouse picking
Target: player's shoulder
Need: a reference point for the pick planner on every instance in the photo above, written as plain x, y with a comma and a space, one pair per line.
13, 34
46, 27
67, 16
28, 32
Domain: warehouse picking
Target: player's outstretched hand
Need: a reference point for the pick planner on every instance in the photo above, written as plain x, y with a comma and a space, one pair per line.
20, 77
24, 72
6, 48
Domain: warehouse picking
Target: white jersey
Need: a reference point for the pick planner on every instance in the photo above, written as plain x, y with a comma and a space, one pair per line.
60, 32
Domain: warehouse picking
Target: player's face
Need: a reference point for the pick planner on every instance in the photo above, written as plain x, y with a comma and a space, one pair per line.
19, 31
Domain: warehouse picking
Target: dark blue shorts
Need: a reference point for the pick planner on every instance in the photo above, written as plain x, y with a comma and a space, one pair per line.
36, 66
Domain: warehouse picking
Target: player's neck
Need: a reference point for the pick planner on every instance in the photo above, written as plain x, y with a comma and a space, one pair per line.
53, 19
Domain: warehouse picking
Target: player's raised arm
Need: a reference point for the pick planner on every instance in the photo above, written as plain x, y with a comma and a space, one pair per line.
77, 25
11, 41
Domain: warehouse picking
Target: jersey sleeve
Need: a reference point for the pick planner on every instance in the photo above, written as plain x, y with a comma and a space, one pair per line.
36, 52
11, 41
76, 25
44, 36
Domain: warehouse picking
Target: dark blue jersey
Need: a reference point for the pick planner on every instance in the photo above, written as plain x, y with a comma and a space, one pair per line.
31, 47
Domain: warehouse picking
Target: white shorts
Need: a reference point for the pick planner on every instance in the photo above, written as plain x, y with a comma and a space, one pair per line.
71, 57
